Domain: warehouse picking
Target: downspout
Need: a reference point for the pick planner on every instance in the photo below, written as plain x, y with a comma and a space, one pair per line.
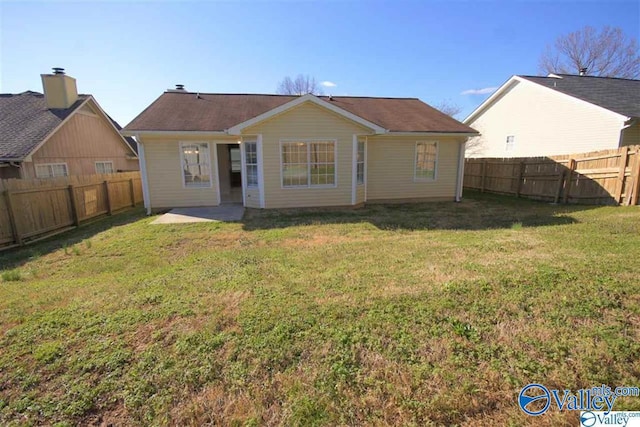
143, 174
460, 179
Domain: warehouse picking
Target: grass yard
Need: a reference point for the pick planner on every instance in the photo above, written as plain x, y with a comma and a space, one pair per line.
428, 314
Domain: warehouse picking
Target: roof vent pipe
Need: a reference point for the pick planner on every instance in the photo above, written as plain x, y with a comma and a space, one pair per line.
58, 70
583, 71
179, 87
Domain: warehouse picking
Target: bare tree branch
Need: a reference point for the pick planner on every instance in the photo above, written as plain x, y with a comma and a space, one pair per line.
301, 85
449, 108
608, 53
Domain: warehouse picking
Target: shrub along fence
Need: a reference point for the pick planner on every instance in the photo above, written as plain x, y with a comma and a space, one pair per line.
601, 177
33, 209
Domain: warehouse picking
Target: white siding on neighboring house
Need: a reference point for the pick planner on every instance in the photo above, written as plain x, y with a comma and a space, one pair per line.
542, 122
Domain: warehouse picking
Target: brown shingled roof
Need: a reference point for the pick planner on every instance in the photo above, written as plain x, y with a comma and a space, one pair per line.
187, 111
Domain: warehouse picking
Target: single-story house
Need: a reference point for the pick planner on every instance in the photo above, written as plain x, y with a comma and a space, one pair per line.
281, 151
557, 114
60, 133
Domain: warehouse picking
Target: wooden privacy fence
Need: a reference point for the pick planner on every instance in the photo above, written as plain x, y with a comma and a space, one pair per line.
601, 177
32, 209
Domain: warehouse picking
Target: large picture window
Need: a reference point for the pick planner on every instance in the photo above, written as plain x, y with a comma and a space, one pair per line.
426, 160
196, 166
308, 163
251, 163
51, 170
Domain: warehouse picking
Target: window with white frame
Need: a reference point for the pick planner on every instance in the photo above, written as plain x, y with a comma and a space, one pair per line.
104, 167
426, 160
251, 163
511, 140
196, 167
360, 163
51, 170
308, 163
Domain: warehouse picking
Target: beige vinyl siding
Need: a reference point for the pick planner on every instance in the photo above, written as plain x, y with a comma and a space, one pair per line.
391, 166
165, 181
543, 122
306, 122
631, 135
360, 194
81, 142
253, 198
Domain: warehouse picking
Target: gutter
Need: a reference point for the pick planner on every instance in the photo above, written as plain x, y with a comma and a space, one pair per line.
161, 133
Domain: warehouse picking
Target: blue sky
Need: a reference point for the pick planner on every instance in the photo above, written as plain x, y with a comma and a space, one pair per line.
127, 53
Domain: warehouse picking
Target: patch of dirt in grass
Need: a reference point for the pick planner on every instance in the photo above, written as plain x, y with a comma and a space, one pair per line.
215, 405
314, 240
231, 302
114, 416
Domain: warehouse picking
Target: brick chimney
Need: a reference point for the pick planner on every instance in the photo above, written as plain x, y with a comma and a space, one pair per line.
60, 90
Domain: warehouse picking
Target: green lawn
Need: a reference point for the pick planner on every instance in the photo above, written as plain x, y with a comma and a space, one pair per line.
427, 314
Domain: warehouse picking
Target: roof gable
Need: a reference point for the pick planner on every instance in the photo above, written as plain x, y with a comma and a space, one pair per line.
621, 96
26, 123
237, 129
197, 112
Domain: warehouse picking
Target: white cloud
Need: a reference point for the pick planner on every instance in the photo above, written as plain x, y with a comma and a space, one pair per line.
327, 83
483, 91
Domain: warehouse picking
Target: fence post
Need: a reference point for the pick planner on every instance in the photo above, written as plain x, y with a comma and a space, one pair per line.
559, 189
634, 185
520, 175
74, 206
108, 196
12, 218
133, 194
484, 176
623, 168
567, 182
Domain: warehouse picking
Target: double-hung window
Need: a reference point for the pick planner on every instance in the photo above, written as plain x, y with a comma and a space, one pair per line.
426, 161
251, 163
511, 142
51, 170
308, 163
104, 167
360, 163
196, 166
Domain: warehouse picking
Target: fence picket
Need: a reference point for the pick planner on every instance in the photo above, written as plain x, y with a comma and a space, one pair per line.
32, 209
600, 177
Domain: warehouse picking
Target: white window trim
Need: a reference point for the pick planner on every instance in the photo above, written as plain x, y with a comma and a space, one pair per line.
261, 171
354, 167
244, 168
309, 185
104, 162
415, 162
364, 161
66, 169
211, 160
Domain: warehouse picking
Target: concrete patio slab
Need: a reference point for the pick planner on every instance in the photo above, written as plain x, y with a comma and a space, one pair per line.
224, 213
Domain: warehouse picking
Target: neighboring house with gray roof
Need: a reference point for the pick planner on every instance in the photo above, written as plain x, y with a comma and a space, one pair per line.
281, 151
59, 133
557, 114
